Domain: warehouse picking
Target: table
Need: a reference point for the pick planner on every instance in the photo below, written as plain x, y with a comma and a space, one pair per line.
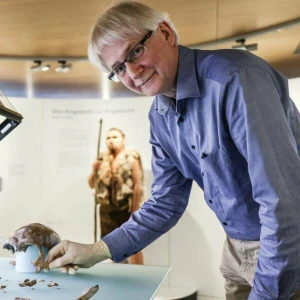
116, 282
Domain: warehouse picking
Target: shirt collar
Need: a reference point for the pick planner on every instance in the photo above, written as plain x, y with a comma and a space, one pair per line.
162, 104
186, 83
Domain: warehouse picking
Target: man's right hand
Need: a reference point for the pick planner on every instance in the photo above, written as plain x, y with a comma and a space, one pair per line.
68, 255
93, 175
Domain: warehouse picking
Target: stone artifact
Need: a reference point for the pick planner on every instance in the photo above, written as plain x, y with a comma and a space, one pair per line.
88, 293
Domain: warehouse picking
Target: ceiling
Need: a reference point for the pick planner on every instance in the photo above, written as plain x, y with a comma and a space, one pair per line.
60, 28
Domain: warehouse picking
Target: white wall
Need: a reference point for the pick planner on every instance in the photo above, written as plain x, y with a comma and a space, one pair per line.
44, 166
20, 160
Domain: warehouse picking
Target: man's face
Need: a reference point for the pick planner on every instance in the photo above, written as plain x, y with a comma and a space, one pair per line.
155, 73
114, 141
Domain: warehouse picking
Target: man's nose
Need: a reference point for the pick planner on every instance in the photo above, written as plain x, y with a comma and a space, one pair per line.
134, 70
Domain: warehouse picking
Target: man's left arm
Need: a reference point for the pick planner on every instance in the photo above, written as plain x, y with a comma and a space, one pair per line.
137, 175
264, 125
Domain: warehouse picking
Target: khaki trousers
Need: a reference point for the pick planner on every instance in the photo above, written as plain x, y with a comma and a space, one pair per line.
238, 264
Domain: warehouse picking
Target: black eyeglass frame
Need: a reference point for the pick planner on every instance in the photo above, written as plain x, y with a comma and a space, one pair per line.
145, 38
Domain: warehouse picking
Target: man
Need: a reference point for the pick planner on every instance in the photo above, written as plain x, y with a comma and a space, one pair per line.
224, 119
119, 176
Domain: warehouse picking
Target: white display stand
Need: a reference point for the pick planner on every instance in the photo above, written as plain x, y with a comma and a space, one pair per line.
24, 259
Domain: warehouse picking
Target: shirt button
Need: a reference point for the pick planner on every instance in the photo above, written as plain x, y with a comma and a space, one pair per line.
210, 201
124, 255
202, 173
224, 223
193, 147
181, 119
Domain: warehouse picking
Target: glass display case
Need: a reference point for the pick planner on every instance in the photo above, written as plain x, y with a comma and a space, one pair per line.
9, 117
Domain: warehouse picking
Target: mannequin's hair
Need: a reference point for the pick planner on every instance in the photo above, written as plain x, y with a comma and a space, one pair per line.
117, 129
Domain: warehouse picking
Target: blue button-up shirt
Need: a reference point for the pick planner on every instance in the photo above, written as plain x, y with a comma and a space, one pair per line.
235, 131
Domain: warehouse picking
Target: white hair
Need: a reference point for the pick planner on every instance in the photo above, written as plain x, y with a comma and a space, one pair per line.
119, 23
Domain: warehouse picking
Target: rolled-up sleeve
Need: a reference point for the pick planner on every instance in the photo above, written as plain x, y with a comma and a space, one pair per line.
169, 197
263, 125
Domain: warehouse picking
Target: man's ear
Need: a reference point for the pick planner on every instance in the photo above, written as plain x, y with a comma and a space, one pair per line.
165, 30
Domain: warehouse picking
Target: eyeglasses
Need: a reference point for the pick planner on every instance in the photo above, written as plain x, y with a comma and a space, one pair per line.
133, 56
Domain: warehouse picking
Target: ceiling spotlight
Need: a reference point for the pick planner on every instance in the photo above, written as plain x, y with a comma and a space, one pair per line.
243, 46
38, 67
64, 67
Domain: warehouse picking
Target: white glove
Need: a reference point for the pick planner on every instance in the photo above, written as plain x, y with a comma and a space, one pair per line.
69, 256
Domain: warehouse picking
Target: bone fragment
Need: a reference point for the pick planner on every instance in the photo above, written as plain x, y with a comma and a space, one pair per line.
52, 283
27, 282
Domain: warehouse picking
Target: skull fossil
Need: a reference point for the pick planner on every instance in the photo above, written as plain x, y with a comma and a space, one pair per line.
34, 234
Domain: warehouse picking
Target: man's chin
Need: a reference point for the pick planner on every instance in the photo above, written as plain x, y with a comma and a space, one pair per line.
151, 91
138, 92
151, 94
146, 93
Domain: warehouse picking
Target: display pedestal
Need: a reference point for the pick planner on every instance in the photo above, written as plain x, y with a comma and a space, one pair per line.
24, 259
173, 293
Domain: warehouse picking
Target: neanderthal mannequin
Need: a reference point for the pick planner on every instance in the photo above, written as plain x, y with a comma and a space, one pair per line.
119, 177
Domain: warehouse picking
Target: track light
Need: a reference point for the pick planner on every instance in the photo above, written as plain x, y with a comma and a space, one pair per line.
64, 67
243, 46
38, 67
